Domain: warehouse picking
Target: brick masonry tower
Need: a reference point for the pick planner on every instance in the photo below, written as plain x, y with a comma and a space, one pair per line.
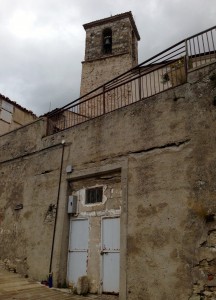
111, 49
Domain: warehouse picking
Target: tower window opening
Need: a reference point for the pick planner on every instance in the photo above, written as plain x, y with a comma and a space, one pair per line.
107, 41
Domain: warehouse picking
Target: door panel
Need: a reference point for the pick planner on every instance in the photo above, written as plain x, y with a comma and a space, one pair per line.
111, 273
111, 234
110, 254
78, 250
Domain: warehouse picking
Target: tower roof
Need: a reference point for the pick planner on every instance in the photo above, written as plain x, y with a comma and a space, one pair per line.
113, 18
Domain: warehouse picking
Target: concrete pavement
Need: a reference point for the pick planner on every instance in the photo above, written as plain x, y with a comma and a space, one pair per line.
15, 287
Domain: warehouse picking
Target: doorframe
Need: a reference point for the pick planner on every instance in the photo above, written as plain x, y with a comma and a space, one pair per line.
101, 256
71, 218
107, 167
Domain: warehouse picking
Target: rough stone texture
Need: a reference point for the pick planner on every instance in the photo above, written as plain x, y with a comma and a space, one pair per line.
122, 34
98, 67
164, 149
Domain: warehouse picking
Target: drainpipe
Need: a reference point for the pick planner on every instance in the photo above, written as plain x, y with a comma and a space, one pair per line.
50, 278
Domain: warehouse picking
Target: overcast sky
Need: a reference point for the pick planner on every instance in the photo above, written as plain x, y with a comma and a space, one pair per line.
42, 41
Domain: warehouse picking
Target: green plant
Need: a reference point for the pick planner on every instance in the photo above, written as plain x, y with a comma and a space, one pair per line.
178, 63
212, 77
165, 78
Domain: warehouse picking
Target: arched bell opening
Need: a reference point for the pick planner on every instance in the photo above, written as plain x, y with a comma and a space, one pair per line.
107, 41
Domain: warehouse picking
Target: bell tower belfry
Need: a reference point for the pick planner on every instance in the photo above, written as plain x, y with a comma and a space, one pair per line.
111, 49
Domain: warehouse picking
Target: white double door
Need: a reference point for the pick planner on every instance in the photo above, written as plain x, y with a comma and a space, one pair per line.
110, 252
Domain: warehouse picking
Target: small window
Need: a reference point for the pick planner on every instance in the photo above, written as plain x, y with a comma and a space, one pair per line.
94, 195
107, 41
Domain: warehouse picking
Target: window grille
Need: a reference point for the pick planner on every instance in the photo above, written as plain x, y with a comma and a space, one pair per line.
94, 195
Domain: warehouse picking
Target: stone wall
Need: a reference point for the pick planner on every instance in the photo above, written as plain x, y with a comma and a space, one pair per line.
121, 39
103, 70
98, 67
164, 149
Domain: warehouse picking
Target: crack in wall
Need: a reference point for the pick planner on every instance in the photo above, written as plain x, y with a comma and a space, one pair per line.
176, 144
168, 145
46, 172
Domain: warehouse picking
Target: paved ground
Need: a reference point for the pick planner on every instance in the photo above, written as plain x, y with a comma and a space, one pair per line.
14, 287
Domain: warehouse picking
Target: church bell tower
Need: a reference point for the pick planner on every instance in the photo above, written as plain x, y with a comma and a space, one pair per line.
111, 49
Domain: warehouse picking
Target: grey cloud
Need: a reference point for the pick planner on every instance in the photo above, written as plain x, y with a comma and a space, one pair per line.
39, 69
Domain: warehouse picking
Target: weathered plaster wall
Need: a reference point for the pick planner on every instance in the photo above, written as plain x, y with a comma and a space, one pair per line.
167, 143
27, 176
26, 234
13, 144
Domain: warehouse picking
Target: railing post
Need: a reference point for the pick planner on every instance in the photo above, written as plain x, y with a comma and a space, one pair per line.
104, 107
140, 90
186, 58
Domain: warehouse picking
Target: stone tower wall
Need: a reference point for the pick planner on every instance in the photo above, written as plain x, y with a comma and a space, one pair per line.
98, 67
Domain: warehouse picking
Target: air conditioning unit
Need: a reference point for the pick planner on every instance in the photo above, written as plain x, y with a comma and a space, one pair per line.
72, 205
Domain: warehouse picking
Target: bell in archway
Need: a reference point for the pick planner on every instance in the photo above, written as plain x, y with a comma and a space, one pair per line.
107, 40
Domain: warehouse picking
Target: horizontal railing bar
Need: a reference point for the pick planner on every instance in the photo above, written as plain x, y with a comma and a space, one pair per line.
125, 82
76, 100
48, 115
129, 86
117, 109
202, 54
201, 32
150, 66
81, 115
148, 60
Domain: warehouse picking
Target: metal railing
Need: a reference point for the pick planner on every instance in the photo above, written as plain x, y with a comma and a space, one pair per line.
163, 71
